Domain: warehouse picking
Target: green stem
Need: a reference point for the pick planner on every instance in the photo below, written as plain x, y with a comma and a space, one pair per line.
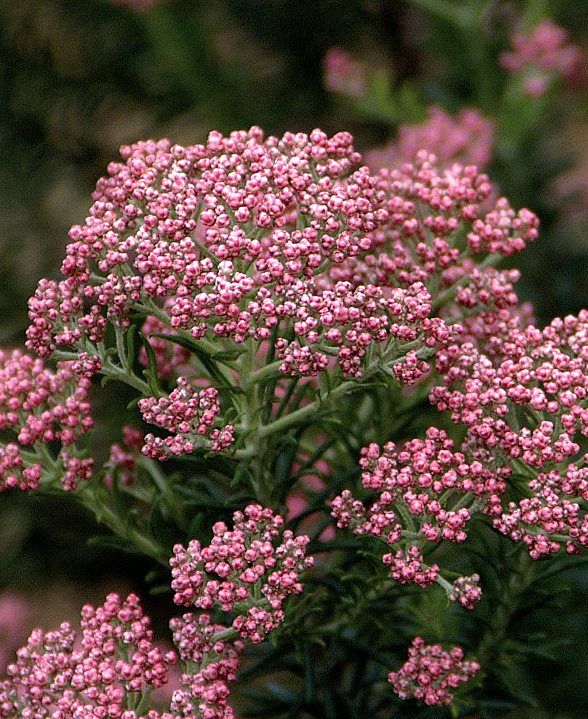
121, 527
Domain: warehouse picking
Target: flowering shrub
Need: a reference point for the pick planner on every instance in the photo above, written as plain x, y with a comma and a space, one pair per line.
281, 312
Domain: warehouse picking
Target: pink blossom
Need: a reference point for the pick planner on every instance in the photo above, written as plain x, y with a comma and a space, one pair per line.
41, 407
247, 561
467, 139
113, 661
431, 672
540, 56
344, 74
14, 615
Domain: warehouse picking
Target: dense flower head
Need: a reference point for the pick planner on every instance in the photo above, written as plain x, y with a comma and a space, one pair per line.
41, 407
247, 565
467, 139
408, 566
548, 520
421, 475
431, 673
425, 487
205, 690
526, 401
187, 413
212, 226
429, 213
545, 370
541, 55
278, 240
115, 659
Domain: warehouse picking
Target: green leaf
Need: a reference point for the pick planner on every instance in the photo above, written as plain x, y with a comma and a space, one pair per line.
120, 544
131, 347
150, 373
227, 355
242, 475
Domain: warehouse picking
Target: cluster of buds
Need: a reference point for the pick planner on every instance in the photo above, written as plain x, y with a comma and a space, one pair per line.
547, 520
188, 414
540, 56
263, 241
424, 487
203, 645
242, 573
244, 237
525, 400
105, 674
428, 211
409, 567
42, 407
111, 670
250, 257
254, 577
428, 478
431, 673
466, 591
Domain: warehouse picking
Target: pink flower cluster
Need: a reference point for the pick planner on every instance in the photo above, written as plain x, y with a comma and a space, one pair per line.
110, 671
466, 591
122, 461
431, 673
189, 414
423, 488
408, 567
245, 236
467, 139
547, 519
204, 692
104, 676
254, 577
187, 224
428, 211
525, 401
540, 55
42, 407
419, 474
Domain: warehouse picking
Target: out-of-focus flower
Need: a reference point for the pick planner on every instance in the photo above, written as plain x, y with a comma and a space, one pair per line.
467, 138
541, 57
344, 74
14, 614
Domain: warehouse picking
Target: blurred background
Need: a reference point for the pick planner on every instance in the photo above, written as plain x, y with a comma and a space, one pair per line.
499, 84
